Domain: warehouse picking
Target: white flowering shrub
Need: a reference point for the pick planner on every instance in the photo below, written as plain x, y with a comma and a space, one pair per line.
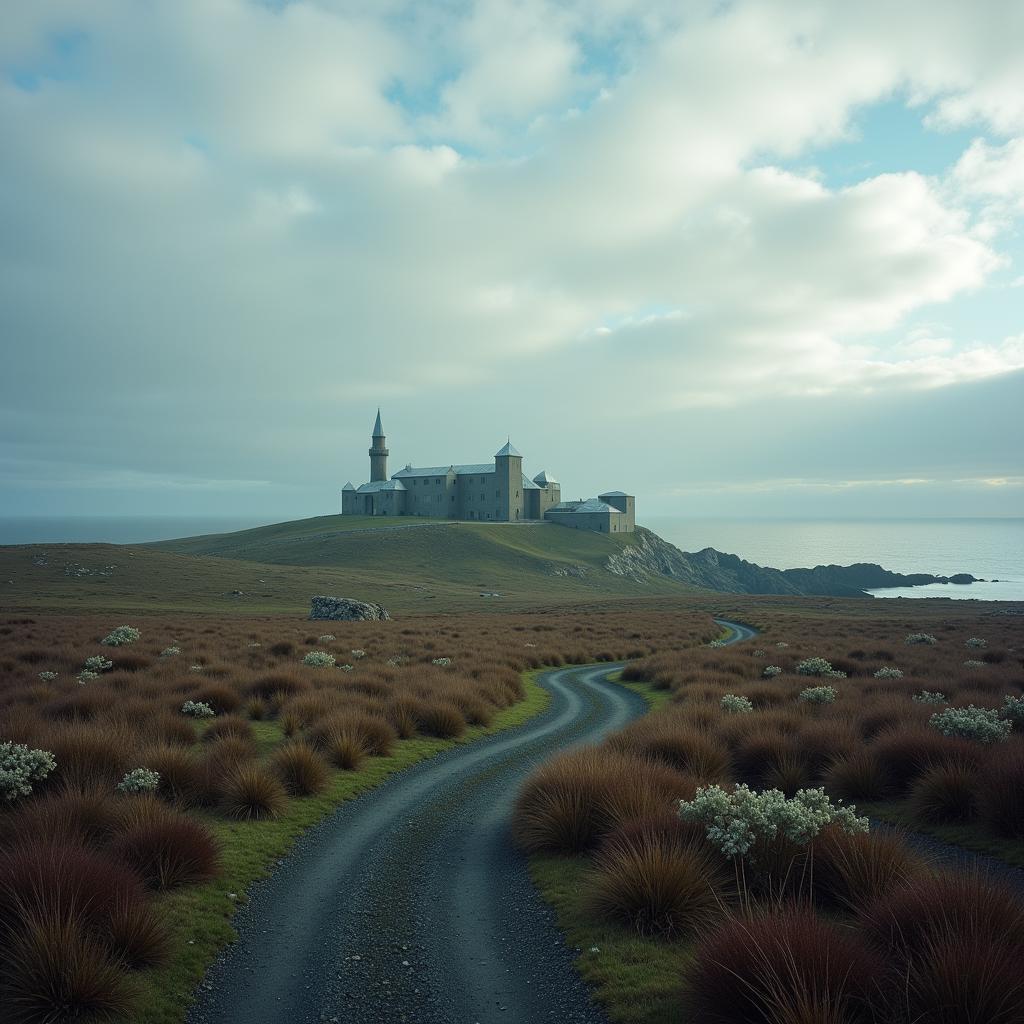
47, 677
197, 709
771, 671
398, 659
97, 663
758, 652
357, 653
919, 638
441, 661
929, 697
818, 695
738, 822
346, 668
1013, 709
253, 643
717, 643
326, 638
195, 668
975, 641
970, 723
889, 672
121, 636
782, 643
20, 767
319, 659
139, 780
973, 663
819, 667
85, 675
170, 652
732, 704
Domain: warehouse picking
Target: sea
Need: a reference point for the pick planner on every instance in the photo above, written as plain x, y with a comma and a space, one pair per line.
992, 549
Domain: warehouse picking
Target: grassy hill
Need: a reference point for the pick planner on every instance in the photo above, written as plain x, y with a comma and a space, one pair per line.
423, 565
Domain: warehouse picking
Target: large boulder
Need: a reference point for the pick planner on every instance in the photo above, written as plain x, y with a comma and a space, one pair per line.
346, 610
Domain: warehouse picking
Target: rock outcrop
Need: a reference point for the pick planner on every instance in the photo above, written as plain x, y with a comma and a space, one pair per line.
345, 609
649, 555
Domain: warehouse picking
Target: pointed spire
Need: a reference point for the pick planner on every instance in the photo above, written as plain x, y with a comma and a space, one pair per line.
378, 430
509, 449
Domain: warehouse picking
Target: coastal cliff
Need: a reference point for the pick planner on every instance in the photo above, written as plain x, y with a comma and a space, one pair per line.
649, 555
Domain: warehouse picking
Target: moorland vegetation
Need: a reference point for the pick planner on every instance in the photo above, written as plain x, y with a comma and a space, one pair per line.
715, 859
149, 772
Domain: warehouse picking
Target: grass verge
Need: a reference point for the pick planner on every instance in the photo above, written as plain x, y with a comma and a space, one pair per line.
636, 980
200, 917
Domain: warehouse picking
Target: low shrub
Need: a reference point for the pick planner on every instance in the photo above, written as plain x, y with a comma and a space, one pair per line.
889, 672
929, 697
319, 659
20, 768
139, 780
771, 671
197, 709
816, 667
818, 695
982, 725
733, 705
121, 636
920, 638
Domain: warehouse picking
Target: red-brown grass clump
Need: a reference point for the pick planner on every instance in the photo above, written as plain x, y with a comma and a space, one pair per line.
787, 966
301, 770
164, 846
656, 882
571, 802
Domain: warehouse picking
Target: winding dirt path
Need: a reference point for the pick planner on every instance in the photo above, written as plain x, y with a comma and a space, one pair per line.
411, 903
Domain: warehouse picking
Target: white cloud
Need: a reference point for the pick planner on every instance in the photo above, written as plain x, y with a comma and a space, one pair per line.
232, 205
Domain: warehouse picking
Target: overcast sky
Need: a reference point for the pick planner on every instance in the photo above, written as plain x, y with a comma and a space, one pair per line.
757, 258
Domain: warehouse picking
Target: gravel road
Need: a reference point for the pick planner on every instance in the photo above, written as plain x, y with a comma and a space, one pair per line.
411, 903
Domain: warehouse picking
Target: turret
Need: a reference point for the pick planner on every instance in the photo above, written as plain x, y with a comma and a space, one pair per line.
508, 469
378, 453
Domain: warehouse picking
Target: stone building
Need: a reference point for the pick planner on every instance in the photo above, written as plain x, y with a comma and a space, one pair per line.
496, 492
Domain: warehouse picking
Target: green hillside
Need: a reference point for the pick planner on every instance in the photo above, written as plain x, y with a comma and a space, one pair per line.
407, 566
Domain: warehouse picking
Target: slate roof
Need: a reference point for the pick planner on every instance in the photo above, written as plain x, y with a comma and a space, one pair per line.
528, 484
380, 485
590, 505
543, 478
349, 486
411, 471
613, 494
509, 450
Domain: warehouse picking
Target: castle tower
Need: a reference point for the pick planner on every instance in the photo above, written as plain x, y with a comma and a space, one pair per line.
508, 470
378, 453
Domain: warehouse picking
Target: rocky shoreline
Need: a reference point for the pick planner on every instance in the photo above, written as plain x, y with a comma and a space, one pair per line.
650, 555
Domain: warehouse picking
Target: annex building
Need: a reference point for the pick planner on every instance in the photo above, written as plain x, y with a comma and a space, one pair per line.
497, 491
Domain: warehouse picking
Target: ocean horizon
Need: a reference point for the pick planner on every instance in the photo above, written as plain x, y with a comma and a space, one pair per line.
989, 548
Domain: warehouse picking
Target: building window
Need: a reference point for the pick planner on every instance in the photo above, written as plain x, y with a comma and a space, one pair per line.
483, 497
497, 494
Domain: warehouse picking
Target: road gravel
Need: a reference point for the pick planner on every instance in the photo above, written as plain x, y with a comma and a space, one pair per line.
411, 903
